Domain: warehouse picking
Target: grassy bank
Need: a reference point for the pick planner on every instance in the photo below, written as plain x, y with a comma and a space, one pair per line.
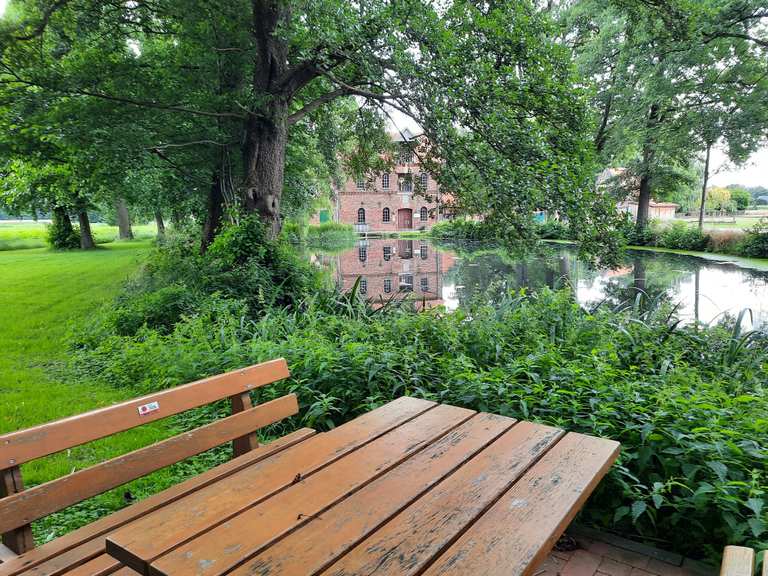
30, 234
42, 295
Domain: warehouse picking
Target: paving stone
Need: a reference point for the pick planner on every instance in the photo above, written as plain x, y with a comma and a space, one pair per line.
582, 563
613, 568
634, 559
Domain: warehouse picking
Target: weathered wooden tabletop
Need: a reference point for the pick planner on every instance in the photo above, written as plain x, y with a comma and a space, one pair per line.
413, 487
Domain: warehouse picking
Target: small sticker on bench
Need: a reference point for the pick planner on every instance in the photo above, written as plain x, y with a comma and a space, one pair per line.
145, 409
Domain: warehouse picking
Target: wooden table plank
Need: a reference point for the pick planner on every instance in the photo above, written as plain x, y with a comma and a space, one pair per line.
536, 510
412, 538
319, 542
99, 566
228, 545
210, 506
72, 549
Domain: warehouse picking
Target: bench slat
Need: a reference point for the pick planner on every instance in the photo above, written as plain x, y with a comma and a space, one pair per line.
242, 490
421, 531
72, 549
330, 535
537, 509
217, 551
25, 445
39, 501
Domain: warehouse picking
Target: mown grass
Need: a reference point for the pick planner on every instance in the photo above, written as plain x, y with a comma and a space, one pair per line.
30, 234
43, 294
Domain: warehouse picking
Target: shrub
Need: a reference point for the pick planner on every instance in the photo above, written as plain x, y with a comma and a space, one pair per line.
331, 234
755, 243
460, 229
682, 236
553, 229
294, 232
160, 309
61, 235
725, 241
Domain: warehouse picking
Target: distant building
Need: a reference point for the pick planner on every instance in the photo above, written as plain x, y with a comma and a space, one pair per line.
618, 178
404, 198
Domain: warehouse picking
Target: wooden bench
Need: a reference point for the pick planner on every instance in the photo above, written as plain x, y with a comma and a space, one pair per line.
740, 561
19, 507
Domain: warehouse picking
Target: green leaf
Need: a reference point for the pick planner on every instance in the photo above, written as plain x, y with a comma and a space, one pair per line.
638, 507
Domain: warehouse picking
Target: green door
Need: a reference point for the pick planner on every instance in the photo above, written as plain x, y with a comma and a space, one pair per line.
325, 216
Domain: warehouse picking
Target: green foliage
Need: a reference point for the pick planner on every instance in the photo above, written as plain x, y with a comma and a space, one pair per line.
331, 234
682, 236
61, 235
160, 309
553, 229
459, 229
740, 197
755, 243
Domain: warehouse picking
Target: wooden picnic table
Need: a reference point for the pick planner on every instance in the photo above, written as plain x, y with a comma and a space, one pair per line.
413, 487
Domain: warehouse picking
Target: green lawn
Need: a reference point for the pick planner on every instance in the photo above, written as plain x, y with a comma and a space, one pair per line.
30, 234
726, 223
44, 294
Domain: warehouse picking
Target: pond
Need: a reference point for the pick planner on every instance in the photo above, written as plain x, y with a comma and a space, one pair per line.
704, 290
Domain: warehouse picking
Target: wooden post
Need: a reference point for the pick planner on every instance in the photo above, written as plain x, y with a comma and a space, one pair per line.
20, 539
250, 441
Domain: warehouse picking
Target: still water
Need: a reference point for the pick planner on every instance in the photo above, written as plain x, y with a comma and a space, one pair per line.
705, 290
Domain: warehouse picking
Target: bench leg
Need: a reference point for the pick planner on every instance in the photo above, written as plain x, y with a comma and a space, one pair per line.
248, 442
20, 539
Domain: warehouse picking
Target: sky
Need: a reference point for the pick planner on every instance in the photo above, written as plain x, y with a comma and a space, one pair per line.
753, 173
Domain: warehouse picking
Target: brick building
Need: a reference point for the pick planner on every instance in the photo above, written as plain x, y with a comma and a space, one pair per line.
403, 198
390, 265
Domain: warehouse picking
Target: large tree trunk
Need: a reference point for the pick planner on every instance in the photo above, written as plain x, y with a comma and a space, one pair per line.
265, 162
61, 220
86, 236
214, 211
704, 188
123, 220
160, 223
644, 197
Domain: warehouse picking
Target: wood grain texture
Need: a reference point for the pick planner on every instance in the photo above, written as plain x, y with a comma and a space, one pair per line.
533, 513
25, 445
246, 443
325, 537
407, 543
99, 566
19, 536
217, 551
78, 546
147, 538
39, 501
738, 561
6, 554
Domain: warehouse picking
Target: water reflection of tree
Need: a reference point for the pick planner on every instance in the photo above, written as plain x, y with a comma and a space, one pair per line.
492, 274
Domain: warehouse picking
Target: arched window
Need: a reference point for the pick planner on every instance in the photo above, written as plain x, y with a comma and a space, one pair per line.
385, 181
424, 180
385, 215
361, 216
424, 213
363, 286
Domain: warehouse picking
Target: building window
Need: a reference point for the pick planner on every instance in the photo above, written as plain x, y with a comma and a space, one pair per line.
361, 183
387, 285
424, 179
363, 286
424, 213
406, 184
406, 155
362, 253
423, 251
385, 181
387, 252
406, 282
385, 215
425, 284
361, 216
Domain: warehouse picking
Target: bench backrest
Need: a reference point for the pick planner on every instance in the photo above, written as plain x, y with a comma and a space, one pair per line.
19, 507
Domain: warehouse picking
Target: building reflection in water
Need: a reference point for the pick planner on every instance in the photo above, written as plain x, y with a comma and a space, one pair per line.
388, 266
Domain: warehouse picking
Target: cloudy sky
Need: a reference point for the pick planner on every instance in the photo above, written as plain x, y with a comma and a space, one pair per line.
753, 173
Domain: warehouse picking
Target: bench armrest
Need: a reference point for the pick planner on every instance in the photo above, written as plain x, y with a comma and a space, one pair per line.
738, 561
